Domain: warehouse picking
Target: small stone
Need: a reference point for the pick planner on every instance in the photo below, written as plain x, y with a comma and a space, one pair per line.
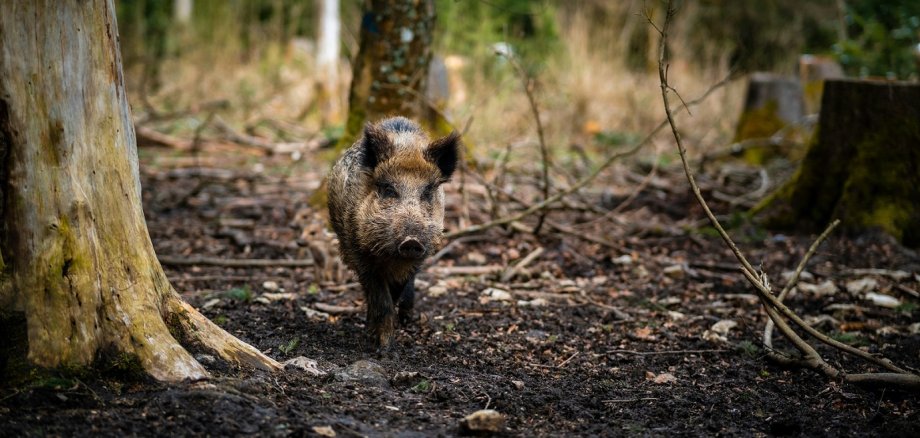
513, 254
536, 302
485, 420
664, 378
406, 379
270, 285
804, 276
421, 284
438, 289
722, 327
476, 258
624, 259
365, 372
324, 431
518, 384
674, 271
675, 316
883, 300
861, 286
669, 301
303, 364
914, 328
821, 289
495, 294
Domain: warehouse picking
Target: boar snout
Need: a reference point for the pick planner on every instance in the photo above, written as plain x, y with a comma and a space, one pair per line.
411, 248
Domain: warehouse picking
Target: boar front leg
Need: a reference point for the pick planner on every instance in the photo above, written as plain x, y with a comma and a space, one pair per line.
381, 313
404, 297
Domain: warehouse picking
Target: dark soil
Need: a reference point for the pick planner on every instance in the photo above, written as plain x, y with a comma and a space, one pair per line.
557, 359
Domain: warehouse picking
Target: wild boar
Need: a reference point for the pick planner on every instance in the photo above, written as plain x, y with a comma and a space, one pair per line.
386, 205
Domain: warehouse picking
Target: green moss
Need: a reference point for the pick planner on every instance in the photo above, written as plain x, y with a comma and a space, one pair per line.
761, 122
873, 182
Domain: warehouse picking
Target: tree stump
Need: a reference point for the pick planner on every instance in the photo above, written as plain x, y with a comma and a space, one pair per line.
813, 71
864, 165
772, 103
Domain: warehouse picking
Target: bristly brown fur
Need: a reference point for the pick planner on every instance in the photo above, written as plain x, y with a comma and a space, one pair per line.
387, 206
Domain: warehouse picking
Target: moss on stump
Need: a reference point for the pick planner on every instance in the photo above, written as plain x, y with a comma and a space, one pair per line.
864, 165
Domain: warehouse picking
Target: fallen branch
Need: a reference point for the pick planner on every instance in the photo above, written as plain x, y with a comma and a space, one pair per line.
775, 309
234, 263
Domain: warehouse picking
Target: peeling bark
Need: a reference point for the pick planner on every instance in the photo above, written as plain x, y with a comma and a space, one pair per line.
76, 253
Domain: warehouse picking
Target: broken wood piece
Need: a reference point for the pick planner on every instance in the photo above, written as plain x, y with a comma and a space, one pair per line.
333, 309
235, 263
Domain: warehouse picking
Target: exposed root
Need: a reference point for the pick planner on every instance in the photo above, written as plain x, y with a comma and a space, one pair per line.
228, 347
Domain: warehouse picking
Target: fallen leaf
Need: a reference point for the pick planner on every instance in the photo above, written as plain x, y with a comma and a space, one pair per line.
485, 420
722, 327
664, 378
644, 333
861, 286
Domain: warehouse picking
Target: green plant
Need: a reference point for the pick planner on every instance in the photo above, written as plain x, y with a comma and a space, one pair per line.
242, 294
286, 348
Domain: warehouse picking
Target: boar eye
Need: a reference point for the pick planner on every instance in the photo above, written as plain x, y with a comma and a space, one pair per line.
428, 193
386, 190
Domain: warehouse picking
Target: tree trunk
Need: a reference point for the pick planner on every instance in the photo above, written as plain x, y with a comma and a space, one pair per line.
390, 72
864, 167
77, 262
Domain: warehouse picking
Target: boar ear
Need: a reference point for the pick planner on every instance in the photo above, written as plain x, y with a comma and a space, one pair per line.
376, 146
444, 153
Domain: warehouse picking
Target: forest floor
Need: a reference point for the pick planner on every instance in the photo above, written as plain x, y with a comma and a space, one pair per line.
654, 332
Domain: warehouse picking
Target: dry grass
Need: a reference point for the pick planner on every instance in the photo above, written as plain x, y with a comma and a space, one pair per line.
585, 89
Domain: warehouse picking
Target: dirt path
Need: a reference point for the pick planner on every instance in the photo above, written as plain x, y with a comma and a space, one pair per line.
585, 342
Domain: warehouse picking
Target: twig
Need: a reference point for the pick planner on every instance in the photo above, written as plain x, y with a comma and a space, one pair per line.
768, 330
667, 352
629, 400
466, 270
235, 263
632, 196
567, 360
759, 280
336, 310
514, 270
528, 83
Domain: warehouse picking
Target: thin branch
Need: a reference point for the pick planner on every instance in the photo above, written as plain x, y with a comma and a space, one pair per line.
528, 83
587, 179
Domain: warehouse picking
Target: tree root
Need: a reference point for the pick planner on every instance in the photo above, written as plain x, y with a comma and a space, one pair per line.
200, 329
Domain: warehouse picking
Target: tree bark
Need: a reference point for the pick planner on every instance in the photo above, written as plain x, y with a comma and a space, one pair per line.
864, 167
391, 69
76, 260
